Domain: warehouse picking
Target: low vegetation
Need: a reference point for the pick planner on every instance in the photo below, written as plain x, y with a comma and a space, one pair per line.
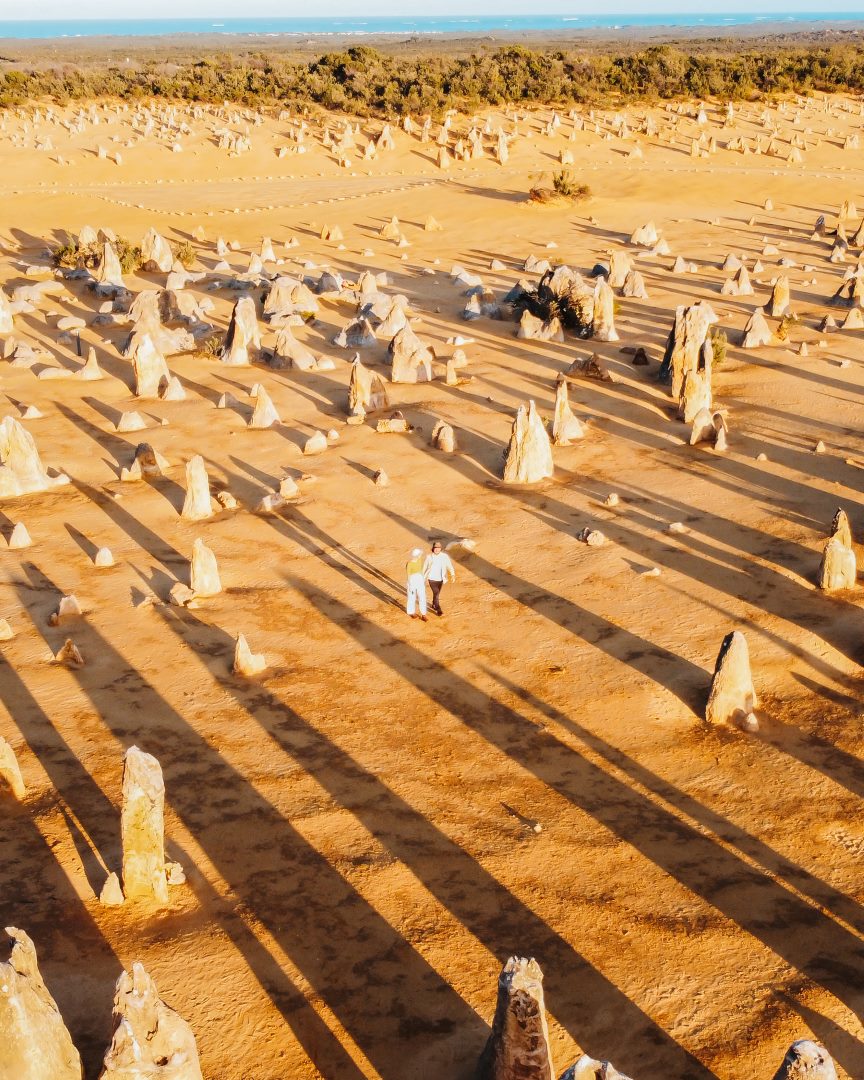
362, 80
211, 347
563, 187
88, 256
185, 253
719, 346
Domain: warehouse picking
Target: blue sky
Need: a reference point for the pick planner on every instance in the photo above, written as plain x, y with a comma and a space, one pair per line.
83, 9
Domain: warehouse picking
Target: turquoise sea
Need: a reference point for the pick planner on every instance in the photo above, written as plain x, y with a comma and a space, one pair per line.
401, 25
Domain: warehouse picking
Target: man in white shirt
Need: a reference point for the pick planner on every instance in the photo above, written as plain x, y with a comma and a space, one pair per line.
437, 569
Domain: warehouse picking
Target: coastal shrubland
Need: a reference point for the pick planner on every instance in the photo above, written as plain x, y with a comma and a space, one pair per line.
363, 80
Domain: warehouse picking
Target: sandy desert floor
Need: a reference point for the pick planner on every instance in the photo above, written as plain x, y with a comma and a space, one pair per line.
356, 824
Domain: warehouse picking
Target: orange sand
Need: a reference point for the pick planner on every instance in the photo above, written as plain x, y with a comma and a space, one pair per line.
355, 824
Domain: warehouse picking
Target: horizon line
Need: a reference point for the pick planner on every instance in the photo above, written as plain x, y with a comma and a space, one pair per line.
783, 14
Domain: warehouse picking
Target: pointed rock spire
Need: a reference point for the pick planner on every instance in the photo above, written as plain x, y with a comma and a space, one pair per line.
142, 827
245, 661
528, 458
732, 697
519, 1043
150, 1038
565, 426
264, 415
366, 391
204, 573
243, 335
197, 505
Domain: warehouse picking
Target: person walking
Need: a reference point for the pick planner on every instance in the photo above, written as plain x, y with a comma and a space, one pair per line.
437, 570
416, 584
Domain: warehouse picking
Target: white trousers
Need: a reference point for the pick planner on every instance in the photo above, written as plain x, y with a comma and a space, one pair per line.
416, 594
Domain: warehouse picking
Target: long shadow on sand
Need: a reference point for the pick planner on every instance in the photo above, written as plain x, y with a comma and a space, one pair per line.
593, 1014
800, 934
334, 936
43, 901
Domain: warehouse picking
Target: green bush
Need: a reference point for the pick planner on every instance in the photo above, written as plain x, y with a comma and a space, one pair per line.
88, 256
719, 346
567, 188
211, 347
185, 253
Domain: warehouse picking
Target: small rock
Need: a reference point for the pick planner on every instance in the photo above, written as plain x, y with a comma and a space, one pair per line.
749, 723
70, 654
315, 444
69, 608
175, 873
591, 537
269, 504
19, 537
112, 894
131, 421
180, 595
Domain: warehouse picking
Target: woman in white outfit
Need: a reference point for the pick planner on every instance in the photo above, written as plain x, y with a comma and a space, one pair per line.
416, 585
438, 569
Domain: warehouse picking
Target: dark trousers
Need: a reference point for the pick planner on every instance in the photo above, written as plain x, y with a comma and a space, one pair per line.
436, 587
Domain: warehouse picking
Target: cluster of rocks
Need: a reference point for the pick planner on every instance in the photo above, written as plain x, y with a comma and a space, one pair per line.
150, 1039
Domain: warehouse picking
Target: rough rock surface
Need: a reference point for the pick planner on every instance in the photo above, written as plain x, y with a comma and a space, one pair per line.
21, 470
806, 1060
518, 1047
685, 345
142, 827
732, 697
245, 661
588, 1068
366, 391
10, 771
528, 458
151, 1041
565, 426
34, 1042
838, 569
243, 339
197, 505
204, 577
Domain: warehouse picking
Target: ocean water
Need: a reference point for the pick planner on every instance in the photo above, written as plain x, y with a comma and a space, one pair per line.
400, 25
